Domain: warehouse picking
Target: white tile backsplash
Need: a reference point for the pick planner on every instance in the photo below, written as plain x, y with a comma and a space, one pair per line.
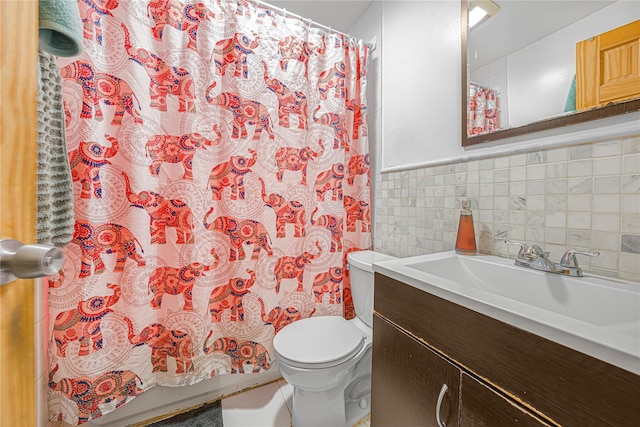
585, 196
536, 188
536, 172
501, 175
556, 170
630, 203
501, 162
579, 203
535, 203
557, 186
608, 148
557, 203
486, 164
631, 164
631, 184
608, 166
557, 236
517, 160
581, 168
557, 155
607, 185
605, 241
578, 238
630, 264
630, 223
580, 185
606, 222
631, 145
518, 173
579, 220
606, 203
555, 219
583, 151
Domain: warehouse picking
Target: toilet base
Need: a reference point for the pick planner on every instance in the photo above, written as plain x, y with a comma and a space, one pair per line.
341, 406
331, 407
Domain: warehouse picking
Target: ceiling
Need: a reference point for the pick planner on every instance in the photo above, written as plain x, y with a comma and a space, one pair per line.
520, 23
337, 14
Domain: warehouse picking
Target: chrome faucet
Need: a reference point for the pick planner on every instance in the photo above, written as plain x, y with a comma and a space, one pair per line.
532, 256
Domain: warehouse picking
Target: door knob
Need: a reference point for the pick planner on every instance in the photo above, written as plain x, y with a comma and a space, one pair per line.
28, 261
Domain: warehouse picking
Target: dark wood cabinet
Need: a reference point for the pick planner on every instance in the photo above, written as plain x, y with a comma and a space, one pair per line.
506, 376
482, 407
408, 378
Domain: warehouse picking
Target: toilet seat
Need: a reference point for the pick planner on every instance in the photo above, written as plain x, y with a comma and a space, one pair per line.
318, 342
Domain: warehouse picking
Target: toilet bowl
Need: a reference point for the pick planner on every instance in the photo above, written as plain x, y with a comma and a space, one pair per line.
327, 359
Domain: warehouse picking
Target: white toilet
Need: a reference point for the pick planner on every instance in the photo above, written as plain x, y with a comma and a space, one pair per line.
327, 359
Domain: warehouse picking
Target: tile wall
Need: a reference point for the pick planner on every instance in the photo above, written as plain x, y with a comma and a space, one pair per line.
584, 196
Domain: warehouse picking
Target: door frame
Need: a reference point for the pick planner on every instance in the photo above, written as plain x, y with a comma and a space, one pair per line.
18, 161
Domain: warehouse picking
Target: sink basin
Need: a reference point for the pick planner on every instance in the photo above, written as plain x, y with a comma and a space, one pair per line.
595, 315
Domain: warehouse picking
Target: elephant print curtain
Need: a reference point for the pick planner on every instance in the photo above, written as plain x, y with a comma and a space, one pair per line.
221, 176
482, 111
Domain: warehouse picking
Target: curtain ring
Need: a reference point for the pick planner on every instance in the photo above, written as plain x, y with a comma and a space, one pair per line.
284, 12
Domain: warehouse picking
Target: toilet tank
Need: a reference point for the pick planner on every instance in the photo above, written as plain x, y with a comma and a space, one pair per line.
361, 275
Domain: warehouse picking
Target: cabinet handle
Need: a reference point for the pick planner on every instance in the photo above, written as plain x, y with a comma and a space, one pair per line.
443, 390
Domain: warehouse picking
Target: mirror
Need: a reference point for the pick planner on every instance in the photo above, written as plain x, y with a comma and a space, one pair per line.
528, 67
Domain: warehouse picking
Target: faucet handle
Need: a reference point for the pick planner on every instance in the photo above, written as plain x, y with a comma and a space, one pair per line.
527, 251
523, 247
569, 258
513, 242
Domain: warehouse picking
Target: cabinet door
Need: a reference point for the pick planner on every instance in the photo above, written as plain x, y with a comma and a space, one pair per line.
407, 380
608, 67
482, 407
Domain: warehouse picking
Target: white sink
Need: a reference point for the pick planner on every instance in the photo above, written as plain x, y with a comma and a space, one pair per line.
595, 315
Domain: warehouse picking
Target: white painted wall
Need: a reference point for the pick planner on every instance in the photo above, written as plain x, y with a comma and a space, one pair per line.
421, 80
421, 92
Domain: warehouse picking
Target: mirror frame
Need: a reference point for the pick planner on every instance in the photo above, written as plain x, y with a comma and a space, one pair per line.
537, 126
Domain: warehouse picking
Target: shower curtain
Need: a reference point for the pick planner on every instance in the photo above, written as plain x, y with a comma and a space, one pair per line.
482, 111
221, 176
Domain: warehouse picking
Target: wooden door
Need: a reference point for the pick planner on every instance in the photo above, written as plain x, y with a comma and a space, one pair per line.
18, 144
608, 67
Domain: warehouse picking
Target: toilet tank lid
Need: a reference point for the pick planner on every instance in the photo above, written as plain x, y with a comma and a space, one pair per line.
364, 259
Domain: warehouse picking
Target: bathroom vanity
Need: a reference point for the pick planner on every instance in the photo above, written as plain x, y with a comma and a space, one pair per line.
496, 374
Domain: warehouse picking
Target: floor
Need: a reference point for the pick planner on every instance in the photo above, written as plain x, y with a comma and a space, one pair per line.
266, 406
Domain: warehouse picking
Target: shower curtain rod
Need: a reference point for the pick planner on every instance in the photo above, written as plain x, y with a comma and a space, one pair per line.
284, 13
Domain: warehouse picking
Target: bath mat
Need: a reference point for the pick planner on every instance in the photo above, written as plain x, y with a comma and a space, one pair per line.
209, 415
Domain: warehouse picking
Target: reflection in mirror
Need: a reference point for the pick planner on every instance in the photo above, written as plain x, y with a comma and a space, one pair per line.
519, 66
